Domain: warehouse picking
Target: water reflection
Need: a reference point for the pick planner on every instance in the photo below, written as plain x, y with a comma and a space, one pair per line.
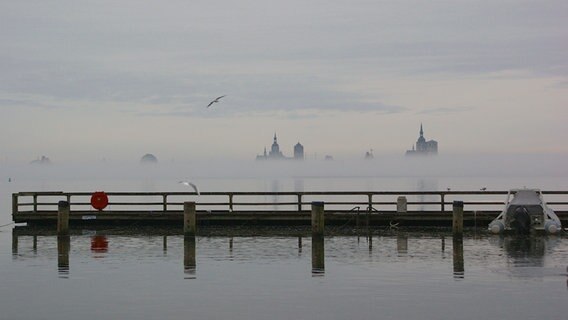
427, 185
14, 245
527, 251
63, 248
99, 244
165, 245
516, 256
459, 269
318, 256
402, 244
189, 264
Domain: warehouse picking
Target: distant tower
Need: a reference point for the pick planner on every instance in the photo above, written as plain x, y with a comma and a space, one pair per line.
298, 151
275, 150
424, 147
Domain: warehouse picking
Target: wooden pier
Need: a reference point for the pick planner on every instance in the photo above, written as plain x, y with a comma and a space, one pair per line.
356, 208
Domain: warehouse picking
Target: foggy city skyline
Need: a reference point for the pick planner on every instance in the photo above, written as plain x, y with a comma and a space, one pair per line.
104, 80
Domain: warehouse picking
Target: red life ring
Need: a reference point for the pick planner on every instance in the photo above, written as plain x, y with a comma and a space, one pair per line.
99, 200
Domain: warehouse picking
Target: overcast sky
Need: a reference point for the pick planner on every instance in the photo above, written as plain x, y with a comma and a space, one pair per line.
118, 79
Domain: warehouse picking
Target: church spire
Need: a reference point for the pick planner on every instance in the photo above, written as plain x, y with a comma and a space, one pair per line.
421, 131
275, 137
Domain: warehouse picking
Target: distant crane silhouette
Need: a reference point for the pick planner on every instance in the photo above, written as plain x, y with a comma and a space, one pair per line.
215, 101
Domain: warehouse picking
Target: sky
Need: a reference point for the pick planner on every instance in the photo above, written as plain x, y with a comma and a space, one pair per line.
113, 80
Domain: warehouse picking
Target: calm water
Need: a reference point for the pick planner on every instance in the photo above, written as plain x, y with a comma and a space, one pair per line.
138, 274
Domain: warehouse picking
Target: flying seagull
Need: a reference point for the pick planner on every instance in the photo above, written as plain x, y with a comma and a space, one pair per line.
189, 184
215, 101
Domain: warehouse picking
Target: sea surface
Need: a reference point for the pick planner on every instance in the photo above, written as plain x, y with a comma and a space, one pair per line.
156, 273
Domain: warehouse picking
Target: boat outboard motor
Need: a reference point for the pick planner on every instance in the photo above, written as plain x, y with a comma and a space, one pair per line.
521, 221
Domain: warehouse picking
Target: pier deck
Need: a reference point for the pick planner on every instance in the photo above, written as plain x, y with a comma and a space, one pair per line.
357, 208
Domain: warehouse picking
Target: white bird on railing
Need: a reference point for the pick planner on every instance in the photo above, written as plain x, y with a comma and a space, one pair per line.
189, 184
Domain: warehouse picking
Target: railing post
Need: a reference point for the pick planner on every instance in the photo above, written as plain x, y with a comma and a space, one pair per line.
189, 219
370, 208
165, 202
317, 218
14, 203
443, 207
35, 203
230, 202
457, 221
63, 218
299, 202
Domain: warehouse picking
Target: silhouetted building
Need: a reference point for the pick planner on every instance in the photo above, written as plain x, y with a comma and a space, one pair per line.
299, 151
276, 154
148, 158
42, 160
423, 147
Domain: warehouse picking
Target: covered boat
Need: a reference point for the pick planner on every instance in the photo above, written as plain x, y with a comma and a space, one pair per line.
525, 212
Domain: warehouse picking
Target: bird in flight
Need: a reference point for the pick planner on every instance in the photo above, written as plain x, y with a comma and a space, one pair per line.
189, 184
215, 101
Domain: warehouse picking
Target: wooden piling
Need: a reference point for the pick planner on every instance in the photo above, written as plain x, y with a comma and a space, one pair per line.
63, 218
14, 204
189, 219
457, 220
14, 244
317, 218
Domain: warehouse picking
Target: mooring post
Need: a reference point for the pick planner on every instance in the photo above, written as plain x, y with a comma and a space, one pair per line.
14, 244
317, 218
35, 203
189, 219
63, 218
14, 203
457, 221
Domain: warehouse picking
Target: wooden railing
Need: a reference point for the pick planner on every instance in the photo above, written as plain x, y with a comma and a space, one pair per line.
275, 201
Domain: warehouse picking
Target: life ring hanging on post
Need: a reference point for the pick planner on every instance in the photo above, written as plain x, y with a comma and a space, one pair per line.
99, 200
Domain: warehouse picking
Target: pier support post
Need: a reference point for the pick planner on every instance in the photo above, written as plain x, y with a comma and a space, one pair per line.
189, 219
457, 221
14, 204
317, 218
63, 218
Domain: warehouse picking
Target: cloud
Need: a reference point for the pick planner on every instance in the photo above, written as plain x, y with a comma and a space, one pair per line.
444, 110
25, 103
